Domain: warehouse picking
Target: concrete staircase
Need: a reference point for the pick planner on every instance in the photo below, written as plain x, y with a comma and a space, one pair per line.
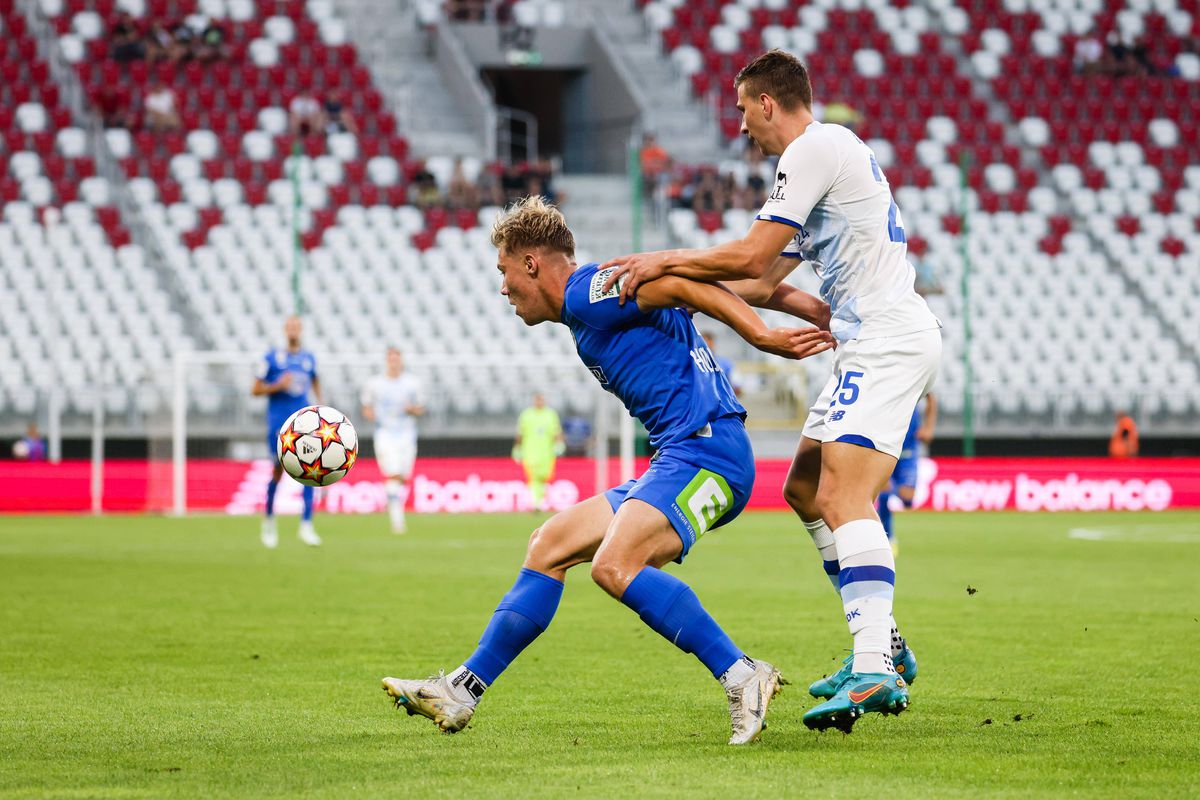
598, 209
685, 127
397, 52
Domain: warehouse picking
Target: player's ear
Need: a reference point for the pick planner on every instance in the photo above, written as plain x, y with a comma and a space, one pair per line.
768, 106
531, 264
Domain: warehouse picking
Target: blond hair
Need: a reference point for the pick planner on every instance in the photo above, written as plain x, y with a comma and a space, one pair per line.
531, 222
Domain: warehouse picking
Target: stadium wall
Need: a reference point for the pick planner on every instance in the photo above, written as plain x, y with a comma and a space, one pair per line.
455, 485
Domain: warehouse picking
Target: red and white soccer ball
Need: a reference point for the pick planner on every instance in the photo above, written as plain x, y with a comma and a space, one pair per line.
317, 446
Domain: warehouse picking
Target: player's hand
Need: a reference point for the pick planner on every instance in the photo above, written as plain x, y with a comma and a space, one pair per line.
634, 270
925, 434
284, 382
795, 343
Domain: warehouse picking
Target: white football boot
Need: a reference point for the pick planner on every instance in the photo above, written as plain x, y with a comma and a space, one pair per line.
308, 534
268, 534
430, 698
748, 702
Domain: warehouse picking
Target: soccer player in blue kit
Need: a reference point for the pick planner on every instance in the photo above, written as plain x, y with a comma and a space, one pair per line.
286, 376
650, 355
903, 482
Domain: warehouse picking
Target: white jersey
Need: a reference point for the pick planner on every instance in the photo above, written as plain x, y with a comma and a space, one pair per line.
830, 188
390, 397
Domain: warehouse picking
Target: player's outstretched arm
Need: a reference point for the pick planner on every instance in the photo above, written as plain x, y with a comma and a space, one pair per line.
723, 305
261, 387
752, 256
770, 291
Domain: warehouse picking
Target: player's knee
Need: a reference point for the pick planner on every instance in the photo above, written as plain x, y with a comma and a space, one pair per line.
540, 553
801, 495
609, 574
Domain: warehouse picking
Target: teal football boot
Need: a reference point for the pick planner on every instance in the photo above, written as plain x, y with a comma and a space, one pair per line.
905, 663
860, 694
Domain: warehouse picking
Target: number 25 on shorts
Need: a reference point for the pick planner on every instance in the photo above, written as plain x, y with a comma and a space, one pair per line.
847, 391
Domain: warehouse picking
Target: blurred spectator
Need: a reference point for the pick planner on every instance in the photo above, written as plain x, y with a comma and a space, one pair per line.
1140, 55
114, 105
161, 45
465, 10
491, 190
1124, 441
185, 40
305, 116
125, 40
1117, 60
1088, 55
841, 113
655, 164
161, 111
338, 118
424, 192
32, 447
709, 192
461, 192
211, 46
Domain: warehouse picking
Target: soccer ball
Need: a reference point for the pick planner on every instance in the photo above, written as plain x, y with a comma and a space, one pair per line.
317, 446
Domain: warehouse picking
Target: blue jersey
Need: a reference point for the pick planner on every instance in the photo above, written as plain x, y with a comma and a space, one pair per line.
303, 368
654, 361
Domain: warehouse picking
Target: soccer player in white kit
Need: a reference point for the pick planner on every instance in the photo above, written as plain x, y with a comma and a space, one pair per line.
832, 207
393, 401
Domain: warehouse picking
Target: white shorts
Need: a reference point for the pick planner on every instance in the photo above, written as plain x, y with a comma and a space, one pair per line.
875, 386
395, 454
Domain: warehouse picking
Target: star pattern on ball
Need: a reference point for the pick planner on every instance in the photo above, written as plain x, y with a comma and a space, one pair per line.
288, 440
328, 433
351, 457
314, 471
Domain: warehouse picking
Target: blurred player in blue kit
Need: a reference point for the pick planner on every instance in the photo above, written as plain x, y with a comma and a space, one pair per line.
903, 483
650, 355
288, 377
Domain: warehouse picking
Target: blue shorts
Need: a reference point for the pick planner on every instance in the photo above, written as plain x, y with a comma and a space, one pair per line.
700, 483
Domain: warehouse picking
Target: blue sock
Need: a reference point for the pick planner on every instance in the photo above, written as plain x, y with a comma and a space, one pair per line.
308, 503
271, 487
884, 512
520, 618
672, 609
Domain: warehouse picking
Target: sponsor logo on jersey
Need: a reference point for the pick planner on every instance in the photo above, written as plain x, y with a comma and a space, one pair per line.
596, 292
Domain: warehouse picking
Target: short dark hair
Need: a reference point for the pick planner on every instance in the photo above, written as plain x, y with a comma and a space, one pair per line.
780, 75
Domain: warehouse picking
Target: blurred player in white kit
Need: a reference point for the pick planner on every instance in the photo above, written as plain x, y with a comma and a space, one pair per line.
393, 401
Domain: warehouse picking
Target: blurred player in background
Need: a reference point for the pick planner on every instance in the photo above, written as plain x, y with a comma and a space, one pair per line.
725, 363
903, 483
649, 354
832, 207
394, 401
1124, 440
288, 377
538, 445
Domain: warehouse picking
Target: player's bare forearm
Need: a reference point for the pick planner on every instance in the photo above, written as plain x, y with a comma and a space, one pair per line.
368, 413
724, 306
750, 257
801, 304
316, 388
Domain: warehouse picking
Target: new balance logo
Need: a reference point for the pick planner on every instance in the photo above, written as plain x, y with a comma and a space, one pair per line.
836, 416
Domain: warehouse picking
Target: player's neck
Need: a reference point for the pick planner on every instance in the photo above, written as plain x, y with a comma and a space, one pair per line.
792, 128
293, 347
557, 288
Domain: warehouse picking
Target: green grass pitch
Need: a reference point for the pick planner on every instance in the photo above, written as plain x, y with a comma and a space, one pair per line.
147, 657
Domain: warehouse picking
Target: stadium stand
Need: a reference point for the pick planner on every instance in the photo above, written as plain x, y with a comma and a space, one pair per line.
1082, 213
1083, 205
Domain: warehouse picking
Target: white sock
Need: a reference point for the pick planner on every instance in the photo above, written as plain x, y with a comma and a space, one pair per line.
868, 569
741, 671
822, 537
465, 686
